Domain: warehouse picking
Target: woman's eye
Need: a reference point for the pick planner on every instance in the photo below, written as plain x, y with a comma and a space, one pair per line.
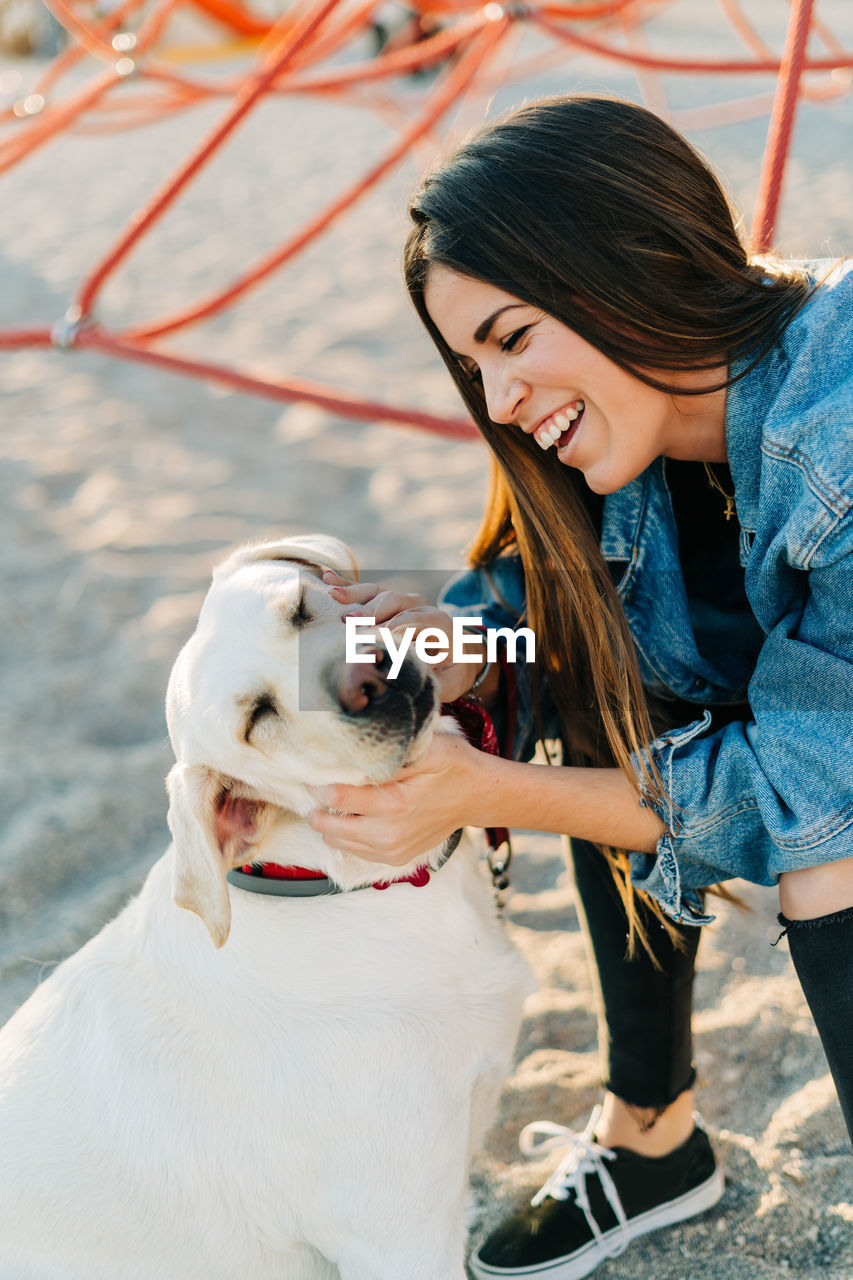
471, 373
512, 341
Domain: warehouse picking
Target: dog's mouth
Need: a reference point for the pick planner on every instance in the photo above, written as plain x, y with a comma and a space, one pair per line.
237, 822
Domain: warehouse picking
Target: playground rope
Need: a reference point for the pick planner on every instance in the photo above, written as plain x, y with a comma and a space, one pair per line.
457, 40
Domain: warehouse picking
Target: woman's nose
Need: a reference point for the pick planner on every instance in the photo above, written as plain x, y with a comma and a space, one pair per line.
504, 396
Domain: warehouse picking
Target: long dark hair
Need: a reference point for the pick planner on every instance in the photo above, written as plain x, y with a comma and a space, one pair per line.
597, 212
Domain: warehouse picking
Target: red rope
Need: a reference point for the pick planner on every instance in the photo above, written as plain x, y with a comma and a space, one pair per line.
17, 338
455, 83
686, 66
289, 61
781, 124
285, 50
293, 390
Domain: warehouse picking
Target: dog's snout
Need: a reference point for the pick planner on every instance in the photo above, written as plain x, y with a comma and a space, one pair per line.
362, 685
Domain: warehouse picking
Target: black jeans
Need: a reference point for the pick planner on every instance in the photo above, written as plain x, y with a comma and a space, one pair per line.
644, 1011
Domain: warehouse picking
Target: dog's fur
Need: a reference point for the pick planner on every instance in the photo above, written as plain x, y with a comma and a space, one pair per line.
263, 1087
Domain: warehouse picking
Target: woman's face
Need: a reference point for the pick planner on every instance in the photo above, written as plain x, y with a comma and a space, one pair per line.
543, 378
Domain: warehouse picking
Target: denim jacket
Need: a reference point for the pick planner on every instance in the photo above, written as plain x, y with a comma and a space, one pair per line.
773, 792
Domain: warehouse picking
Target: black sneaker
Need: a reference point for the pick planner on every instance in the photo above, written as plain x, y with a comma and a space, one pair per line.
596, 1202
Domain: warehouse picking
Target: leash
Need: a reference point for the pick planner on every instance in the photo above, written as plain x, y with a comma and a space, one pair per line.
479, 728
303, 882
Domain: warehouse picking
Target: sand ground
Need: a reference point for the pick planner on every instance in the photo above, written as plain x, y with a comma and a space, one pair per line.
121, 486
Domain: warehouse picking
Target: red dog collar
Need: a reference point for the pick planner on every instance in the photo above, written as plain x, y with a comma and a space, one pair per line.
302, 882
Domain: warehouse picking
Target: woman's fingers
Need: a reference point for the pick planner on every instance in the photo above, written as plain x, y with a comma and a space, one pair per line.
406, 817
384, 604
402, 610
364, 837
349, 593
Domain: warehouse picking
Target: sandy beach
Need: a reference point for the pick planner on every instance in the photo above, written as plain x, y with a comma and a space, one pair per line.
123, 485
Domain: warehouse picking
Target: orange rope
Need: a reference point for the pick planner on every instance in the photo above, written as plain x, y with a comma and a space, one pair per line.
50, 123
234, 16
469, 41
74, 53
294, 39
94, 37
708, 66
53, 120
402, 62
455, 83
433, 49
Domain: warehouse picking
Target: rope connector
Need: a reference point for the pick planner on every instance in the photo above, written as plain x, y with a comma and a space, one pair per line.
514, 9
31, 105
498, 861
64, 332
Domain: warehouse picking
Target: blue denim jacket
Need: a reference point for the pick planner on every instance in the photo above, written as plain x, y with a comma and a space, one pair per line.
775, 792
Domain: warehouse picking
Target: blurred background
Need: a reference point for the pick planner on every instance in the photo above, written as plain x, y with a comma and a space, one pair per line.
123, 483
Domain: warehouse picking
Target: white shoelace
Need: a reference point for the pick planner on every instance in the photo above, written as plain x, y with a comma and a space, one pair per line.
583, 1156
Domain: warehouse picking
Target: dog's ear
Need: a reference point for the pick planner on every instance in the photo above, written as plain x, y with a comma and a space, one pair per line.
213, 828
317, 550
198, 877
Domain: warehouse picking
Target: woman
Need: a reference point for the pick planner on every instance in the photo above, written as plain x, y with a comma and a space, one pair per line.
640, 380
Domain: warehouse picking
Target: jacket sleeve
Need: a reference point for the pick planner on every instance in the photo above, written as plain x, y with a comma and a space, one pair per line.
774, 793
496, 595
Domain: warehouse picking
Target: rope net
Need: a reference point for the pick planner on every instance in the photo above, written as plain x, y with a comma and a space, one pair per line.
457, 51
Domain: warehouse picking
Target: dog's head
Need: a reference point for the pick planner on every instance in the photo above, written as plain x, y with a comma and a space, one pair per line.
261, 703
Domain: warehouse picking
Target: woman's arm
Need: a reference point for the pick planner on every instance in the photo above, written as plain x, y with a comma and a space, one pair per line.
455, 785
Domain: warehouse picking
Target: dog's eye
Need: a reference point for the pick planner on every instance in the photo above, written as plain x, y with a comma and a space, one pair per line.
301, 616
263, 707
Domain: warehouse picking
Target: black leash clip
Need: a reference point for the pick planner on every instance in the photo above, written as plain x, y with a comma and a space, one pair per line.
498, 858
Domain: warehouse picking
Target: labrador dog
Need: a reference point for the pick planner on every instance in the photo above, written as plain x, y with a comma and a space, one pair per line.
265, 1086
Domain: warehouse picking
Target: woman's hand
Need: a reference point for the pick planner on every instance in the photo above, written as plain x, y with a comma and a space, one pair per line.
408, 816
398, 610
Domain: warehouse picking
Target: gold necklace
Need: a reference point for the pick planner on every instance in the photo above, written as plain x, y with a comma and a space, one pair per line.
715, 484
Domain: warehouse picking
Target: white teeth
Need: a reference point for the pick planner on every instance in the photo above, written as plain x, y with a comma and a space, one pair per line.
548, 435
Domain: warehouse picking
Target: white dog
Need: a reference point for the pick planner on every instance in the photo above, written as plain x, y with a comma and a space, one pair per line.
297, 1099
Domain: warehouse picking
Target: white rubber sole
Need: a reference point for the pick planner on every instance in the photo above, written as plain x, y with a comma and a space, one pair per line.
580, 1264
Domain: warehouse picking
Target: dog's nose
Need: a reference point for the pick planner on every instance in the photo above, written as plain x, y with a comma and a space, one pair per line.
362, 685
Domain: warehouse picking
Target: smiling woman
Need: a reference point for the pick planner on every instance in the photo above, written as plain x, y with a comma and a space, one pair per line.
639, 378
